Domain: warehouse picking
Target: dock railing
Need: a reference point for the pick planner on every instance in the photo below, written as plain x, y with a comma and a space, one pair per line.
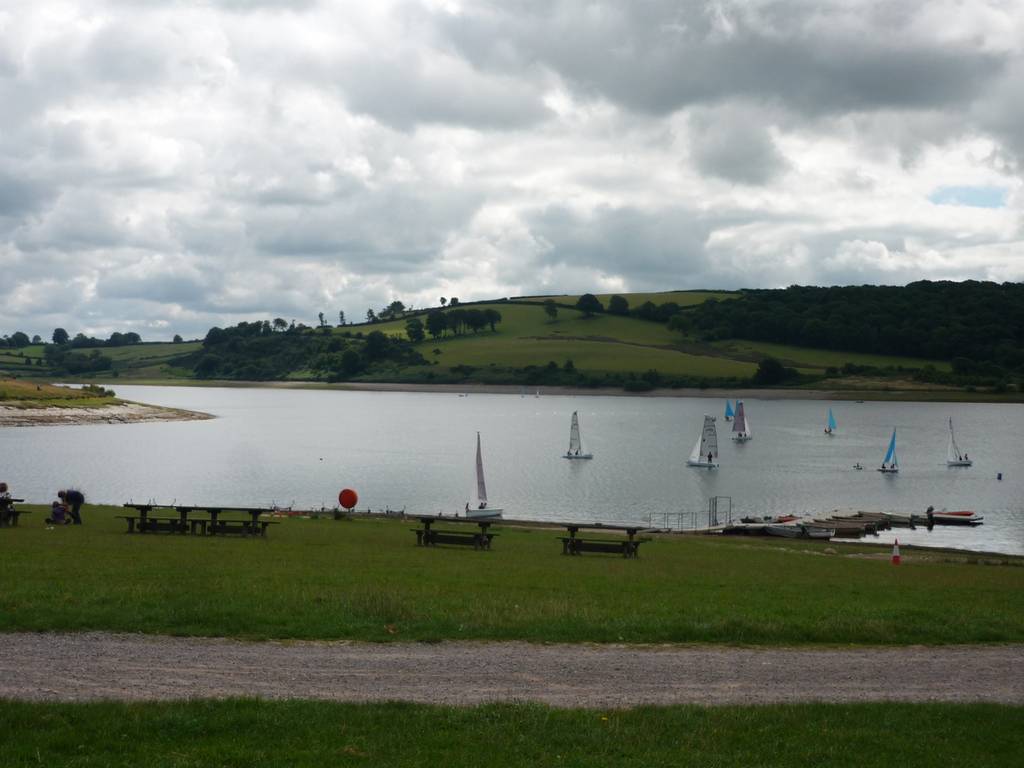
719, 513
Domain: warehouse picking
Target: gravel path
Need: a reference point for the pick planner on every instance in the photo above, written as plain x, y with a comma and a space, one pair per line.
88, 666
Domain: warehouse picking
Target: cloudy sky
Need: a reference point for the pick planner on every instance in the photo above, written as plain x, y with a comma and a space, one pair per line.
170, 165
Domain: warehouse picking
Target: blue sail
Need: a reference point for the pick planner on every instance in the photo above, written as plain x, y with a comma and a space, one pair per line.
890, 456
728, 409
831, 420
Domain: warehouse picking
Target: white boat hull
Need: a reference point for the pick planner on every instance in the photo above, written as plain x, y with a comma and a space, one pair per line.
577, 455
961, 463
741, 438
478, 514
888, 471
702, 464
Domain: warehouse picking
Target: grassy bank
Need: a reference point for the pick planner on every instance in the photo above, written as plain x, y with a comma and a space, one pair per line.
15, 393
366, 580
243, 733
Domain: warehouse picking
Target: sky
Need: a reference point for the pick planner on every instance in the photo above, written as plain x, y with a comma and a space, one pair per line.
167, 166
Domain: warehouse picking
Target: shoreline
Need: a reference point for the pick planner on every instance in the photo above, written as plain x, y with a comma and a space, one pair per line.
917, 395
123, 412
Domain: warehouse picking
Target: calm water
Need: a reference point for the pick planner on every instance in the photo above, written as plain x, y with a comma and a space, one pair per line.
415, 450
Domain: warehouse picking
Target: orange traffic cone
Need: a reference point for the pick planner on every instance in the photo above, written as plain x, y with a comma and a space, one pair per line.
896, 552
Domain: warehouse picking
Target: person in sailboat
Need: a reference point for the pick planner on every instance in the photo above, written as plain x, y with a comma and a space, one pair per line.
710, 456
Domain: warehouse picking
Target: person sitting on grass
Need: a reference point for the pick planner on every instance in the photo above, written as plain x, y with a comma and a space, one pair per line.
58, 514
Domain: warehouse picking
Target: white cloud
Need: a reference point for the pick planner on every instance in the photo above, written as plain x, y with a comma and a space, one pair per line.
165, 167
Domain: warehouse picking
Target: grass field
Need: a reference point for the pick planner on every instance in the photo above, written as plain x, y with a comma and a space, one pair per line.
148, 360
602, 343
299, 734
30, 394
366, 580
805, 357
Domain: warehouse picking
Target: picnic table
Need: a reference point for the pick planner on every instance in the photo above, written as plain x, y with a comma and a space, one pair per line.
428, 536
628, 547
9, 513
185, 521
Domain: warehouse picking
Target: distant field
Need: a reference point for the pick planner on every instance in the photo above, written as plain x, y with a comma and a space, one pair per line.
150, 359
602, 343
820, 358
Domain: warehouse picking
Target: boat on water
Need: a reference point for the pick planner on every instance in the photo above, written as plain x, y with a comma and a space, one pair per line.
960, 517
482, 508
830, 423
954, 456
729, 412
891, 463
741, 424
858, 465
575, 445
705, 451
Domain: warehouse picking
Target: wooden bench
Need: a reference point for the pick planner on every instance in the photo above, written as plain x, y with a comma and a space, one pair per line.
9, 513
228, 527
431, 538
628, 548
140, 524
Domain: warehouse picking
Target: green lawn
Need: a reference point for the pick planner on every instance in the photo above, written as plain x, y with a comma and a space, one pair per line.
300, 733
366, 580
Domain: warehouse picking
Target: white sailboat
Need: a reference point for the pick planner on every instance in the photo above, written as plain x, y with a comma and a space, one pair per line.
954, 456
575, 445
741, 424
830, 423
482, 509
705, 451
891, 463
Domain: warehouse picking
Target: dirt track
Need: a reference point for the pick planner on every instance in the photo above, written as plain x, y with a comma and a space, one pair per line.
89, 666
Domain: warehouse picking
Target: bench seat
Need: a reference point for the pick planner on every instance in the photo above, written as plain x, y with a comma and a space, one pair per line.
432, 537
628, 548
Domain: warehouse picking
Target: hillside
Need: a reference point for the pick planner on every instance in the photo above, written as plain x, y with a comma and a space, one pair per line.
639, 341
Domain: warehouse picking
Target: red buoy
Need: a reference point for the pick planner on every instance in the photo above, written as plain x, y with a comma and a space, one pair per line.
348, 498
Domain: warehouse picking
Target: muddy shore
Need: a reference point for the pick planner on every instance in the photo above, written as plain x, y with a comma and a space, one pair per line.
117, 413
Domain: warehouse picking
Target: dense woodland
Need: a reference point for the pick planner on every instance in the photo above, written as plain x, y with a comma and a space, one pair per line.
974, 324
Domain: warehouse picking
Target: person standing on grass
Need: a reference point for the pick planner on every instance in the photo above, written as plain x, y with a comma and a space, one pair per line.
6, 505
74, 500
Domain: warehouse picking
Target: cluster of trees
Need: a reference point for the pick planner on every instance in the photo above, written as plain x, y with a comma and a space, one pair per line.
590, 305
977, 325
257, 352
458, 321
81, 341
64, 359
17, 340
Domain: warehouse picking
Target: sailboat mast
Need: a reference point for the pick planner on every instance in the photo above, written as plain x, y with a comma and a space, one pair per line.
481, 487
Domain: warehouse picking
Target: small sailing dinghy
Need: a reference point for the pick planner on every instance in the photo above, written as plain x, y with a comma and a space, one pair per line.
741, 424
830, 423
890, 464
954, 456
482, 509
575, 446
705, 451
729, 413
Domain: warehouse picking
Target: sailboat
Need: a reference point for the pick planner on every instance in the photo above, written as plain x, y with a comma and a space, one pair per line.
741, 424
729, 413
705, 451
890, 464
481, 509
830, 424
575, 446
954, 456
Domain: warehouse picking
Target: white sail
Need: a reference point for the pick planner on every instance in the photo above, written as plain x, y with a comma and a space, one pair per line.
481, 486
574, 434
706, 449
741, 423
954, 456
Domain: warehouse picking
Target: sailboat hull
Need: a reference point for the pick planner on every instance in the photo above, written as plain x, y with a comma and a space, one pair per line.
702, 464
740, 438
887, 471
479, 514
960, 463
577, 455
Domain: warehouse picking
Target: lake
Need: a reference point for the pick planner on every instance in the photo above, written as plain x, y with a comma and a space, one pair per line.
416, 451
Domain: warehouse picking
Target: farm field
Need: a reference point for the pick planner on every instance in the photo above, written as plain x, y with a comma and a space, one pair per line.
364, 579
805, 357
